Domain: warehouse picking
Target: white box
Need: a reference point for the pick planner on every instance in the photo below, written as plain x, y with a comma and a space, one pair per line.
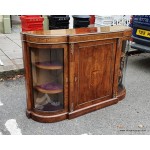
103, 20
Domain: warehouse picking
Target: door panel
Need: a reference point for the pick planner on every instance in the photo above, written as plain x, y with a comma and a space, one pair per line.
93, 72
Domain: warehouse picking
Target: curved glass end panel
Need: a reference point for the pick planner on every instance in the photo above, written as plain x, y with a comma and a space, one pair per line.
47, 78
123, 65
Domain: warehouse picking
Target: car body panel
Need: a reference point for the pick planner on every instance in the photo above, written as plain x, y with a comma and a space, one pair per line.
141, 32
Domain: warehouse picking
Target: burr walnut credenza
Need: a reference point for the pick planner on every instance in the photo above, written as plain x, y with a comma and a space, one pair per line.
71, 72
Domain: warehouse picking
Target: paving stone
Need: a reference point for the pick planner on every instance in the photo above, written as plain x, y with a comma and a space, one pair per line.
20, 66
2, 36
5, 40
14, 36
11, 67
1, 54
1, 69
18, 63
14, 54
8, 64
6, 61
11, 52
1, 63
18, 42
9, 46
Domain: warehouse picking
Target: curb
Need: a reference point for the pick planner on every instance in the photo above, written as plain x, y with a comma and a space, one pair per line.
12, 73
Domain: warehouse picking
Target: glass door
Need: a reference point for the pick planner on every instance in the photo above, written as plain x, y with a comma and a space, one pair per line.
48, 78
123, 62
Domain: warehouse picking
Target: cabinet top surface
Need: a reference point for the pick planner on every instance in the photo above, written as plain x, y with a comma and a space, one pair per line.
78, 31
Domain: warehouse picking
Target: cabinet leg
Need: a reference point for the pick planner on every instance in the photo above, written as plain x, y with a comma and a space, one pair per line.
28, 114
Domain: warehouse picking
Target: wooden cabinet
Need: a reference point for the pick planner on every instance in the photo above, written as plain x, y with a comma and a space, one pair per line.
72, 72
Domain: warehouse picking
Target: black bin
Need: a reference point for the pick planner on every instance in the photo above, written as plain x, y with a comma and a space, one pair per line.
58, 22
81, 21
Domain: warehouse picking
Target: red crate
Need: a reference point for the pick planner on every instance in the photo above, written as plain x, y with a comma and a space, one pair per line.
31, 29
92, 19
25, 19
30, 23
32, 15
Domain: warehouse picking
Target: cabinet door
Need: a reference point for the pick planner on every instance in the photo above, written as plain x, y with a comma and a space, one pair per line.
49, 74
91, 72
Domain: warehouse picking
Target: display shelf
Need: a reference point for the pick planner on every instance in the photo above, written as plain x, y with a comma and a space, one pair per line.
48, 65
50, 88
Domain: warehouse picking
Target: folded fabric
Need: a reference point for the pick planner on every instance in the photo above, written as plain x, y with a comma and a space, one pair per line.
51, 86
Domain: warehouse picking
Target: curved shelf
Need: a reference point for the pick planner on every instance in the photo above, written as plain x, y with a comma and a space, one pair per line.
50, 88
48, 65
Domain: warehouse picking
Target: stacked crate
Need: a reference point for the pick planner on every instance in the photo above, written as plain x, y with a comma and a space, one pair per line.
103, 20
80, 21
121, 20
31, 22
58, 22
92, 19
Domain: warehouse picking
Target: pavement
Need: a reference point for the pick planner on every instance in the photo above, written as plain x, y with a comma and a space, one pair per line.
10, 52
130, 116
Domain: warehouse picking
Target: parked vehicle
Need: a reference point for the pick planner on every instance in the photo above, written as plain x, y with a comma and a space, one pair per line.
141, 32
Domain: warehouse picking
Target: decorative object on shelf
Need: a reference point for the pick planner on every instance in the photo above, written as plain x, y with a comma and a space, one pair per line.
50, 88
42, 100
45, 100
